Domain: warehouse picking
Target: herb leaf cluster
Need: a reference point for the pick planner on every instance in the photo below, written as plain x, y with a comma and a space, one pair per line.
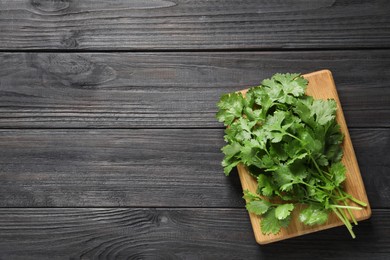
291, 143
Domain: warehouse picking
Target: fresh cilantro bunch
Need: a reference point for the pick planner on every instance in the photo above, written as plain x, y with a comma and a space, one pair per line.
291, 143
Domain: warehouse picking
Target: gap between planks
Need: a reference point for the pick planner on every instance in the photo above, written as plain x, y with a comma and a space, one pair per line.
241, 50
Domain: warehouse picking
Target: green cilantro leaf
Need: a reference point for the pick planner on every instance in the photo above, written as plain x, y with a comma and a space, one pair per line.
322, 160
231, 106
283, 175
276, 151
302, 108
231, 150
292, 83
249, 196
313, 215
265, 186
231, 160
338, 170
333, 139
228, 165
258, 207
324, 111
271, 224
225, 116
284, 210
288, 175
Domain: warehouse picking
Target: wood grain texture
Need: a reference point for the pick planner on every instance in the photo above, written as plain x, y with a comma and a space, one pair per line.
181, 24
144, 168
320, 86
114, 168
164, 167
169, 90
172, 234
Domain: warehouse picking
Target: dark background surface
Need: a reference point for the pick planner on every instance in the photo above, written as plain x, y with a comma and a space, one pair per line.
109, 146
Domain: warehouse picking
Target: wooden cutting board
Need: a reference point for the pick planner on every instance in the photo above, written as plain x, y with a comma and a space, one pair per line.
321, 86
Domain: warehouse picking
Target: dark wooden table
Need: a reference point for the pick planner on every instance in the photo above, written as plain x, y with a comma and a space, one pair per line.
109, 146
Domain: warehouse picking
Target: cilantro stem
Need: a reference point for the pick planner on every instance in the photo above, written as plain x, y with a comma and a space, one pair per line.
345, 207
316, 165
346, 223
293, 136
342, 212
341, 198
314, 187
351, 214
321, 189
348, 209
327, 174
359, 202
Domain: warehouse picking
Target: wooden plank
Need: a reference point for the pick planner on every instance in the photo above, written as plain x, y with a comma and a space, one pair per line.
321, 86
180, 24
114, 168
172, 234
168, 90
144, 168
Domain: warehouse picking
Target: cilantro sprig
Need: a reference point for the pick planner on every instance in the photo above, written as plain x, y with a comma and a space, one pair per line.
291, 143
